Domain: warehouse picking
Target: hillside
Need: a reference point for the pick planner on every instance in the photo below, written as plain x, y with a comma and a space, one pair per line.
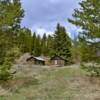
50, 83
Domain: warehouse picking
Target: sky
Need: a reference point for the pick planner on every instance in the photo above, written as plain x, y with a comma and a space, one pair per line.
42, 16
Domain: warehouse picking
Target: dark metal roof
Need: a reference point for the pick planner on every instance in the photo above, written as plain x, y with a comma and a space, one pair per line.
57, 58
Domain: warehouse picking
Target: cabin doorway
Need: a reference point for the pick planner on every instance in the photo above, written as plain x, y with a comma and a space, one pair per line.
56, 62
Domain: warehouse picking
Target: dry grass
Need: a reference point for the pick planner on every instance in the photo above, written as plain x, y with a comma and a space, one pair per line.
46, 83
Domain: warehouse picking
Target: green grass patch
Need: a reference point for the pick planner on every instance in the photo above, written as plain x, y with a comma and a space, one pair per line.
53, 84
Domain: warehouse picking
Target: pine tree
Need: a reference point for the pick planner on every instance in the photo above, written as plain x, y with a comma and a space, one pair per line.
33, 42
87, 17
62, 44
25, 40
37, 46
10, 17
44, 45
50, 45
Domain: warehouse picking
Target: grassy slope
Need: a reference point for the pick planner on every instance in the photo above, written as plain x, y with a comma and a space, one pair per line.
54, 84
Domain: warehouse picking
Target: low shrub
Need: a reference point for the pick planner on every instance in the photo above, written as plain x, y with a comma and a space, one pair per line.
93, 69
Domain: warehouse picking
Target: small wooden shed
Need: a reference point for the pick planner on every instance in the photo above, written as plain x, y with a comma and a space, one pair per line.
36, 60
57, 61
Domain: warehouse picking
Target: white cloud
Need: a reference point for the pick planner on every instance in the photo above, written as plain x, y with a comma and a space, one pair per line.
41, 31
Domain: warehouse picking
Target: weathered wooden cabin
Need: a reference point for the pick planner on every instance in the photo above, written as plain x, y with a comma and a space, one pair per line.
57, 61
36, 60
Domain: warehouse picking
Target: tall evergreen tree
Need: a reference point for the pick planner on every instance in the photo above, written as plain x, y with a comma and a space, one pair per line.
25, 40
44, 45
37, 46
50, 45
62, 43
11, 13
88, 18
33, 42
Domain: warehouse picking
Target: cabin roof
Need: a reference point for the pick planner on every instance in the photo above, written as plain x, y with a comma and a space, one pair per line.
39, 58
57, 58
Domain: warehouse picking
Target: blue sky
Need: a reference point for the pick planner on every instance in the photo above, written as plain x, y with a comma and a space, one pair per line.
43, 15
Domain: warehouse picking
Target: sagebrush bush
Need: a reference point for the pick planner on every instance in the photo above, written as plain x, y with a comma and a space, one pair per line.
93, 69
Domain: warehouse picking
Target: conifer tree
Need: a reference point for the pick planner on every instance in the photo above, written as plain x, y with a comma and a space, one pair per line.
37, 46
50, 45
87, 17
44, 45
11, 13
62, 43
33, 42
25, 40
